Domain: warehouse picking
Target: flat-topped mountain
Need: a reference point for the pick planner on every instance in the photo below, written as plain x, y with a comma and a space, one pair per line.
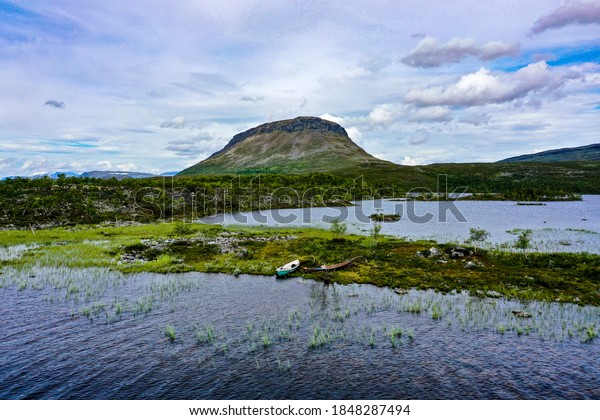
590, 152
302, 144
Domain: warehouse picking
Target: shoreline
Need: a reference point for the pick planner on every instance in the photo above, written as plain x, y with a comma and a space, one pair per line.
388, 262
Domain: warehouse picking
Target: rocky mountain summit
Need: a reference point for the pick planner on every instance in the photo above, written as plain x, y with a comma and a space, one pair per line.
289, 126
302, 144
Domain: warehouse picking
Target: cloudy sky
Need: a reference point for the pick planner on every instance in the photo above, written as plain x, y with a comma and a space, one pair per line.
156, 86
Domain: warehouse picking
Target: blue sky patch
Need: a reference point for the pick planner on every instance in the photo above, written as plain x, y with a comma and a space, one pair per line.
565, 56
591, 55
18, 25
11, 10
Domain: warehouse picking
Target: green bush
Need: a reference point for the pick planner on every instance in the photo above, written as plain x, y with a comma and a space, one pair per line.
181, 229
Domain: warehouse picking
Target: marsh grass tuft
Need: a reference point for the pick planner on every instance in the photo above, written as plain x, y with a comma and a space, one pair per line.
170, 332
590, 334
372, 340
436, 312
395, 333
205, 335
266, 340
320, 338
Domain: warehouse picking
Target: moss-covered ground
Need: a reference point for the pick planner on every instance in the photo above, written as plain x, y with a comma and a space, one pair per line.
385, 261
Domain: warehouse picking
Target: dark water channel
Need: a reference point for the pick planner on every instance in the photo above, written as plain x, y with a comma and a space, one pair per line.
94, 334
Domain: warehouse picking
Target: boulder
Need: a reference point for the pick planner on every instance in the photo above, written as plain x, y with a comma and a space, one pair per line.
522, 314
456, 254
434, 252
493, 294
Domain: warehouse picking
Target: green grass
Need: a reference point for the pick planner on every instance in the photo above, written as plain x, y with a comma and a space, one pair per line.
590, 334
170, 332
395, 334
205, 335
266, 340
391, 263
320, 338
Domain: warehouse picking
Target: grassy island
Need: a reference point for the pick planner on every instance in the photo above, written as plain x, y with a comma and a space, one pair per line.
385, 261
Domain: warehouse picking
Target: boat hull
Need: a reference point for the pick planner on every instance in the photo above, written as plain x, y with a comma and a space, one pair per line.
332, 267
289, 268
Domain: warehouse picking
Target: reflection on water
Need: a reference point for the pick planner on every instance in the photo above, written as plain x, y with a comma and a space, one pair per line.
98, 334
567, 226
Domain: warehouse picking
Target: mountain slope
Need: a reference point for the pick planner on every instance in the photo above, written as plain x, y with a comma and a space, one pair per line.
588, 153
303, 144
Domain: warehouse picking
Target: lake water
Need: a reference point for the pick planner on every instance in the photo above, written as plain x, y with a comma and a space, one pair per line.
567, 226
93, 333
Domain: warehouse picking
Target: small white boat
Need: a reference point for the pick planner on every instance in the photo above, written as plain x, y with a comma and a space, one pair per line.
290, 267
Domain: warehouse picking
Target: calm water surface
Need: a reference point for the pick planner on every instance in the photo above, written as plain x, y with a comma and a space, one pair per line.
99, 334
568, 226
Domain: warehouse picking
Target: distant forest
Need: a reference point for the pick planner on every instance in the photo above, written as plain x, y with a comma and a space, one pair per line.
67, 201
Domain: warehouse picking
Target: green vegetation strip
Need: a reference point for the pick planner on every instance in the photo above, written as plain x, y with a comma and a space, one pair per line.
46, 202
385, 262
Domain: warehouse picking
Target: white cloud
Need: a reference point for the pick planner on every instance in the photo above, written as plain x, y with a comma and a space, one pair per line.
475, 119
355, 135
178, 123
197, 146
569, 13
353, 132
224, 67
429, 53
33, 166
127, 167
386, 114
483, 87
431, 113
6, 163
248, 98
412, 161
332, 118
104, 165
419, 137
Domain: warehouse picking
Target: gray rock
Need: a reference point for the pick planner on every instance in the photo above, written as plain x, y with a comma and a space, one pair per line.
457, 254
434, 252
419, 254
470, 264
494, 294
400, 291
522, 314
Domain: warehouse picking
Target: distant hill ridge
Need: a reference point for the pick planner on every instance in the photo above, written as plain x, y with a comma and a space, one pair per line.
299, 145
583, 153
96, 174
